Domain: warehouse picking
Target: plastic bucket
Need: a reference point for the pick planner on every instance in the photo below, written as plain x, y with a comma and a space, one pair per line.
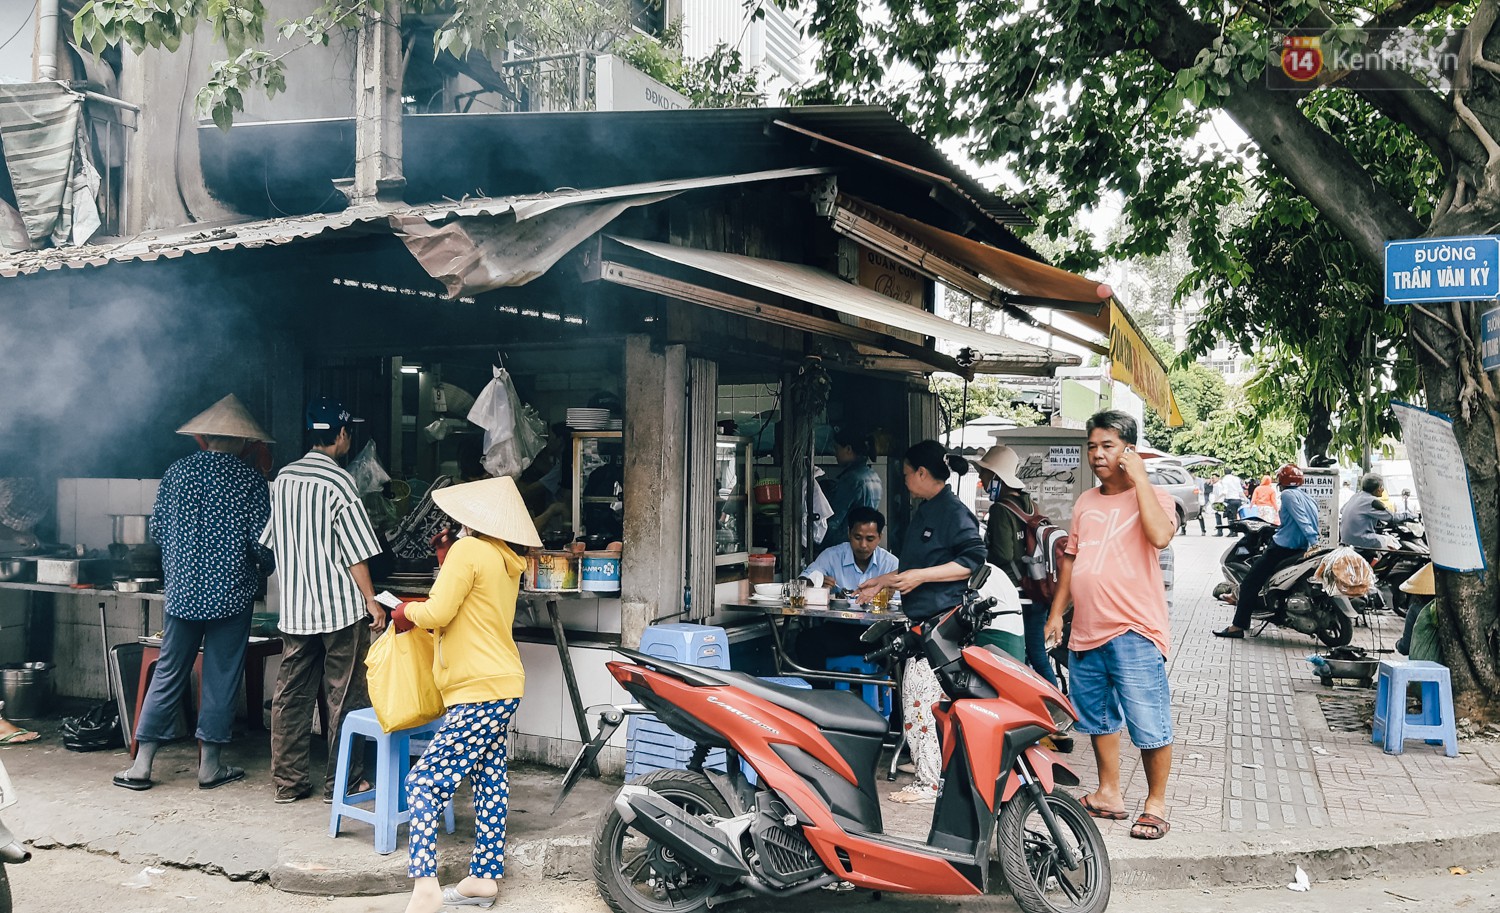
552, 572
601, 572
26, 689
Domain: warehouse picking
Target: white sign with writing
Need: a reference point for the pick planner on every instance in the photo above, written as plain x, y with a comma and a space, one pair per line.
1442, 479
1322, 485
618, 86
1063, 458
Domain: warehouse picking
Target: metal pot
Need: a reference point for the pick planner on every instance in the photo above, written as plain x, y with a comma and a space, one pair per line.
15, 568
26, 689
131, 529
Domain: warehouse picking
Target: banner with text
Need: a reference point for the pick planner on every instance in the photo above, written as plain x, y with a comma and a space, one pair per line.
1438, 468
1134, 363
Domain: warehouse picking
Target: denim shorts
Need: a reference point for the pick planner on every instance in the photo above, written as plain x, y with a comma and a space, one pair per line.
1123, 683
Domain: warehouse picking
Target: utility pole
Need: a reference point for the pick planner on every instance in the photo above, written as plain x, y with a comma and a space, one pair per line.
378, 175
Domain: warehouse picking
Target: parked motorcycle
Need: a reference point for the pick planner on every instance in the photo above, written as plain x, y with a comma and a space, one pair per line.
1292, 597
11, 850
1404, 551
688, 840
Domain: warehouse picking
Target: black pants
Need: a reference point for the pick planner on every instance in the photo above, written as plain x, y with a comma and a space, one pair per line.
1260, 572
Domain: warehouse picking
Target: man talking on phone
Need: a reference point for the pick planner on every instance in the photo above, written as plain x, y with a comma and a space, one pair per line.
1112, 576
322, 538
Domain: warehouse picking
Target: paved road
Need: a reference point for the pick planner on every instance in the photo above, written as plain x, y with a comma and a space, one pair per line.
59, 881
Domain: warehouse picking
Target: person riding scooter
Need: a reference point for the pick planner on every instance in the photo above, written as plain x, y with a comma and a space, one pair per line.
1365, 513
1298, 533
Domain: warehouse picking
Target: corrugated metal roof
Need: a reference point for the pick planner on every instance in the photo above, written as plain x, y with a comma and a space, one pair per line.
377, 219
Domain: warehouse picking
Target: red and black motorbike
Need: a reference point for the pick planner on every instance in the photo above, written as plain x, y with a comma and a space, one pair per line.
688, 840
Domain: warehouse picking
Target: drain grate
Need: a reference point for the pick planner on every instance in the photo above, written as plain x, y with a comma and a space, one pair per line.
1347, 711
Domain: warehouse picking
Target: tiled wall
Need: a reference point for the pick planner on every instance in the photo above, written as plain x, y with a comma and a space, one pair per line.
84, 506
545, 730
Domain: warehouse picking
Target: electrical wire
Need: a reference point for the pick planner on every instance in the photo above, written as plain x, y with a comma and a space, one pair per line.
24, 22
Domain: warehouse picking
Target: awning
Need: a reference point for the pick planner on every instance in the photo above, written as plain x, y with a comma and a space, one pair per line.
813, 286
1011, 281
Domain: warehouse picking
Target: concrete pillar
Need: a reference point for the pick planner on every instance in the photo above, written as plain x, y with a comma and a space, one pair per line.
655, 485
378, 175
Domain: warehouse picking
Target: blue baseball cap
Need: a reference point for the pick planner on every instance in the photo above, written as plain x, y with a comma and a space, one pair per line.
328, 414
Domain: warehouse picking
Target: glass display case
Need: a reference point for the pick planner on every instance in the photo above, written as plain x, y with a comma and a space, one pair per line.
598, 486
733, 514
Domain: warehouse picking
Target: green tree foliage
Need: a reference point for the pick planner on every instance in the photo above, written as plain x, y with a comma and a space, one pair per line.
1088, 99
986, 397
1239, 435
718, 80
1200, 394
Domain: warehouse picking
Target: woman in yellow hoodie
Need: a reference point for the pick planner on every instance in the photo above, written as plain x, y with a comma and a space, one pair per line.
478, 670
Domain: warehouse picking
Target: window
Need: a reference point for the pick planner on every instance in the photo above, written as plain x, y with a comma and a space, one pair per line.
650, 16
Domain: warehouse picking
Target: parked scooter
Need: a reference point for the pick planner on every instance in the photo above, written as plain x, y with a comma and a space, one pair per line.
688, 840
11, 850
1404, 552
1292, 597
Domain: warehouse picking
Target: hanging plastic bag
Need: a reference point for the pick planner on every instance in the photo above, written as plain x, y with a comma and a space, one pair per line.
369, 475
399, 673
1345, 571
513, 432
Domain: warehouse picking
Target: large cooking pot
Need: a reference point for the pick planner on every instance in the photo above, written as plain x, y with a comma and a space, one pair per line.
131, 529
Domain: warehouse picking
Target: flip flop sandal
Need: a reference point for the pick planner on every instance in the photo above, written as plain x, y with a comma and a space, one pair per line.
451, 898
1102, 813
132, 783
1158, 827
20, 737
231, 775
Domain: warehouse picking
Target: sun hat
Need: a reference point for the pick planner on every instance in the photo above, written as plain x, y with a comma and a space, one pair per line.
1002, 461
490, 506
226, 418
1421, 583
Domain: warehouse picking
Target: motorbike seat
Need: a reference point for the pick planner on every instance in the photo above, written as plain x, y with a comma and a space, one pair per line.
839, 711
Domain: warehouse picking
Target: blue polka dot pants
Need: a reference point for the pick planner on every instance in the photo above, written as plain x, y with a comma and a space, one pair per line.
470, 744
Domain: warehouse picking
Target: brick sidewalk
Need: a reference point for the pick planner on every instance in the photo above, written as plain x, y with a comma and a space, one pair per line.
1254, 749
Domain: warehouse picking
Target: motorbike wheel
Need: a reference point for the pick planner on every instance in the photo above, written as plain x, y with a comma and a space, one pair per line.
1336, 629
1034, 871
638, 875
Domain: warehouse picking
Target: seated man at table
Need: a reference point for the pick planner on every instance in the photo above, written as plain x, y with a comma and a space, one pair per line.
846, 566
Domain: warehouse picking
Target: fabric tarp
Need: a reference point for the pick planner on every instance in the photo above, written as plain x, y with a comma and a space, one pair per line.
39, 131
814, 286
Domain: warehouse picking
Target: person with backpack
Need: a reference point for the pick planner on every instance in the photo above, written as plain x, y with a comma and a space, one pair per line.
1010, 535
1112, 576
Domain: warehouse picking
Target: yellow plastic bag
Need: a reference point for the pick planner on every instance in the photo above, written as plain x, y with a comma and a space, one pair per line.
402, 690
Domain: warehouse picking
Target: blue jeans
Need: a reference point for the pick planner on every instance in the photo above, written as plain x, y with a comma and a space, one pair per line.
1123, 683
1034, 617
223, 642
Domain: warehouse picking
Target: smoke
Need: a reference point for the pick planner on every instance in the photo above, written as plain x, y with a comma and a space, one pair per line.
98, 367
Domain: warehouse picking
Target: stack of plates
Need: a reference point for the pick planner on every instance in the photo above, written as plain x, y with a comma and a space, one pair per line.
614, 424
588, 419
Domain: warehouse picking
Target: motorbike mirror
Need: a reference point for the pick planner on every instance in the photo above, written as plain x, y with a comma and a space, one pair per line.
876, 631
977, 581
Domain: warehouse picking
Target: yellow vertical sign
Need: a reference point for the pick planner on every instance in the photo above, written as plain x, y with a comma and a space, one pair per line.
1134, 363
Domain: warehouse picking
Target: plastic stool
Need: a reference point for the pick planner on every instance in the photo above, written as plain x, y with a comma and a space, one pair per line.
877, 696
1392, 725
393, 752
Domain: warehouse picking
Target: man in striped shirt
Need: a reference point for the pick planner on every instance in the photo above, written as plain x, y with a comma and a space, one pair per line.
322, 538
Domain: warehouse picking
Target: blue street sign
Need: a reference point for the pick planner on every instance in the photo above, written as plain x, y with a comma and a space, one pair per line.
1442, 269
1489, 340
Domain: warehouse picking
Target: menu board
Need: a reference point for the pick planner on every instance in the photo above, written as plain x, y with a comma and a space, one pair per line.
1442, 479
1322, 485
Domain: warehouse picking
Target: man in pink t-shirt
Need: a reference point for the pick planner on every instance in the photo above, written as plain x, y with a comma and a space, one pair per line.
1119, 642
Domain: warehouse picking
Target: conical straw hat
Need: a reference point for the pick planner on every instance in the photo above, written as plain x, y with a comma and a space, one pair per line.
490, 506
1421, 583
226, 418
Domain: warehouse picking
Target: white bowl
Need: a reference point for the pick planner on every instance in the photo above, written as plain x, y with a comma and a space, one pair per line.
769, 589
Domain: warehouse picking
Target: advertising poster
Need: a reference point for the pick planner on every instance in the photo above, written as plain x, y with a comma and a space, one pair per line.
1442, 480
1322, 485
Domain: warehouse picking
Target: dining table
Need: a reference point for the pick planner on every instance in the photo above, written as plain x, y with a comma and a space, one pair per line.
780, 614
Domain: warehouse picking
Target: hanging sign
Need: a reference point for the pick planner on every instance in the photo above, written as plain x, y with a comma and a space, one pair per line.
1442, 269
1442, 479
1322, 485
1134, 363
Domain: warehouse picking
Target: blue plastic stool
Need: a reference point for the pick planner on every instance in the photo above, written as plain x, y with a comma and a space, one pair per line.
393, 754
1392, 725
877, 696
